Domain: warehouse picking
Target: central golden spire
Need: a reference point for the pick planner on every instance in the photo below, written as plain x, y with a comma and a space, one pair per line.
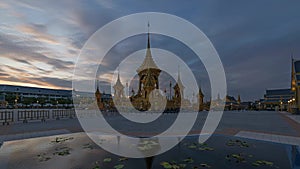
148, 62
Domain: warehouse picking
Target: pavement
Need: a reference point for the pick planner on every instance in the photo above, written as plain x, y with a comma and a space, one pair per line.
294, 117
28, 135
263, 124
270, 137
292, 121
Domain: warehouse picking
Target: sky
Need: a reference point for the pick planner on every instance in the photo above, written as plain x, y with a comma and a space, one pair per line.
40, 40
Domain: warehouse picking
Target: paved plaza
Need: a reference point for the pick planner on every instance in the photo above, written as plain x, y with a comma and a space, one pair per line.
232, 123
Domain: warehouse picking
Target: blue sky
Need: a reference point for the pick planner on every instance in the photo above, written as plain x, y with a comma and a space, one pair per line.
40, 40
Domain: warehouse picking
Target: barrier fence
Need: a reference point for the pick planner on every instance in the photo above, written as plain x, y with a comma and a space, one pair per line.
6, 117
25, 116
30, 115
62, 114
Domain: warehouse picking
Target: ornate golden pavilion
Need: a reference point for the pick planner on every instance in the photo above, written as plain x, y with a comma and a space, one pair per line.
148, 95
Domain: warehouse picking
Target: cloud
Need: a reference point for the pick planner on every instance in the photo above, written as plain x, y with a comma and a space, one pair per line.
38, 33
254, 46
4, 5
20, 59
4, 75
28, 50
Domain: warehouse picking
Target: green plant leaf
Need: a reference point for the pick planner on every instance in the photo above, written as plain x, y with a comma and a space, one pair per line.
120, 166
107, 160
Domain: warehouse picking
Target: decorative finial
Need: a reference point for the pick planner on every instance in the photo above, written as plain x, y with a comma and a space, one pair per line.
178, 71
148, 45
97, 84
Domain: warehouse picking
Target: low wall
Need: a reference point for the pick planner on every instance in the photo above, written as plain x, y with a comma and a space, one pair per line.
10, 116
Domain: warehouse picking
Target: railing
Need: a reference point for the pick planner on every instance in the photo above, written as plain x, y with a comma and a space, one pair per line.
30, 115
6, 117
25, 115
62, 114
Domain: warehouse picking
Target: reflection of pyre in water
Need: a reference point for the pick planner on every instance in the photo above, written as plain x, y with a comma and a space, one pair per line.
149, 146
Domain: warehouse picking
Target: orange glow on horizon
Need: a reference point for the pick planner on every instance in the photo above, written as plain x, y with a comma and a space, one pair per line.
45, 85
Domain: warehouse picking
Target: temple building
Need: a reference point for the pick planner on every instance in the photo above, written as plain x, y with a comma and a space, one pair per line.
284, 99
277, 99
295, 87
148, 95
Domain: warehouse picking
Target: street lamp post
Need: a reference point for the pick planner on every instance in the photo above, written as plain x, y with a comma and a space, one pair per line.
293, 101
16, 103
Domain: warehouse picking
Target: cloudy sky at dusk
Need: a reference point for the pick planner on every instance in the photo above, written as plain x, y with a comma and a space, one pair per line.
40, 40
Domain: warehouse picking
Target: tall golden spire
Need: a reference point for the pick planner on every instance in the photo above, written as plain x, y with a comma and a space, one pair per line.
98, 95
179, 82
200, 91
179, 88
148, 43
119, 84
148, 61
118, 87
293, 80
97, 89
239, 99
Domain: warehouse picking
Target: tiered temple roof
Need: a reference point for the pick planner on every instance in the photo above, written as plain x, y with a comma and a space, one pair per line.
148, 62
